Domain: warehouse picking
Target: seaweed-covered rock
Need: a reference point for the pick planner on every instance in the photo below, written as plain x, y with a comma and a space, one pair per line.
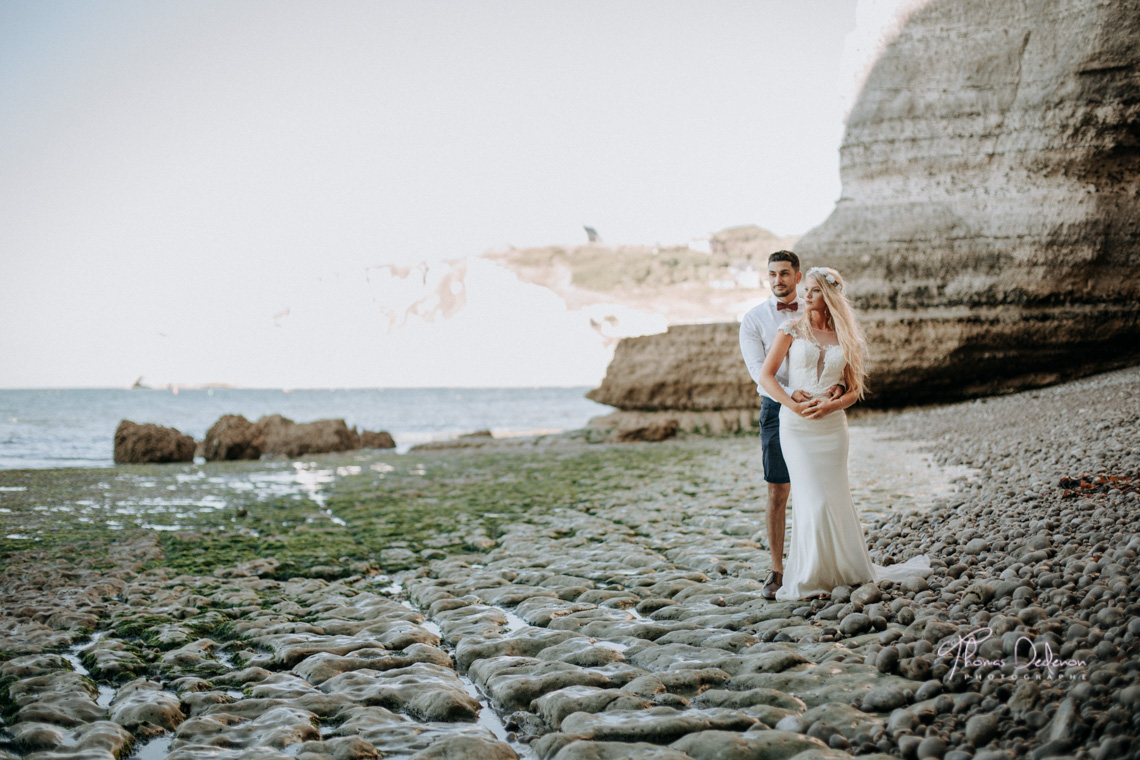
281, 435
147, 443
231, 437
376, 439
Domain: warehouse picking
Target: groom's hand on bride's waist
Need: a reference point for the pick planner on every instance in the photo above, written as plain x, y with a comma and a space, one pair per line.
800, 396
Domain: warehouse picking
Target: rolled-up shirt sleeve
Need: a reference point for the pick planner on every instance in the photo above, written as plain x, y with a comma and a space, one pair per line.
753, 348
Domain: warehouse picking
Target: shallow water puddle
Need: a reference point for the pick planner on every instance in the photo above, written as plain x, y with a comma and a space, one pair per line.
154, 749
514, 622
106, 692
490, 720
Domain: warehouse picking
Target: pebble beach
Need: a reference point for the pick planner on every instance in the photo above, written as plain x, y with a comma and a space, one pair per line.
557, 599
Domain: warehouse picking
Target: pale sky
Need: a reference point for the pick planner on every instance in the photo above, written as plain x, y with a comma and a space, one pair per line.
175, 175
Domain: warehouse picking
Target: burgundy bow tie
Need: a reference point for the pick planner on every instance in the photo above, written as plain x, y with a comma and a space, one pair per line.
793, 306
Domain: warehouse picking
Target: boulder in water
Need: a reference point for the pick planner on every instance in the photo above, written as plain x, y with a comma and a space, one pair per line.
135, 443
231, 437
280, 435
380, 439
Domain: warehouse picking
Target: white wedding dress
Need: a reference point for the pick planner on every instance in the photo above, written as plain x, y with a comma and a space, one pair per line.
827, 547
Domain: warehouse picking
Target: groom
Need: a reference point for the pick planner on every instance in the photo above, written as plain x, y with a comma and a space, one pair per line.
757, 333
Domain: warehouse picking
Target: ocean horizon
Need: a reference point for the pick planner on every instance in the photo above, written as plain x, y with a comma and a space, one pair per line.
74, 427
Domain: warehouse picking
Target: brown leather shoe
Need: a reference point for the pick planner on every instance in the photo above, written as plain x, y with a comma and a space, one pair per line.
772, 584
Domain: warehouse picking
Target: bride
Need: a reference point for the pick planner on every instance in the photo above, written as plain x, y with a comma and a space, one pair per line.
824, 347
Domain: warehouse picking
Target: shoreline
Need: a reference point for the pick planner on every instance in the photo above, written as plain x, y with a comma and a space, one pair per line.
570, 588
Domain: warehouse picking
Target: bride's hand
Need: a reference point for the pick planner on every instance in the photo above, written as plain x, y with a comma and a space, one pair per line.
807, 408
818, 409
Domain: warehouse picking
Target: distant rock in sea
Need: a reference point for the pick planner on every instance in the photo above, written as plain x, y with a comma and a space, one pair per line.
147, 443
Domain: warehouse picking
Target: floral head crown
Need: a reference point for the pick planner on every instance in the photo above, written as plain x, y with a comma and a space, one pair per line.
821, 273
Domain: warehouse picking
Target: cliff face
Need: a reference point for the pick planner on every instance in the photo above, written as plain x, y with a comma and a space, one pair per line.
989, 225
690, 367
990, 219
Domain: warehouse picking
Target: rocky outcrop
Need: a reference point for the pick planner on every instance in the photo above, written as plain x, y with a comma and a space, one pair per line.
144, 443
381, 439
989, 224
651, 432
231, 437
280, 435
694, 367
720, 422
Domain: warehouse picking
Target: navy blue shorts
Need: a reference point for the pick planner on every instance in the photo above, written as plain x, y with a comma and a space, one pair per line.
775, 471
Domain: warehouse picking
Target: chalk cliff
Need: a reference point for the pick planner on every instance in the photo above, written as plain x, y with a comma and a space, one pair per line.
989, 225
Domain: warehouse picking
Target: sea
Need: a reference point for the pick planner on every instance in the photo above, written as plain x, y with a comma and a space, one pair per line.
76, 427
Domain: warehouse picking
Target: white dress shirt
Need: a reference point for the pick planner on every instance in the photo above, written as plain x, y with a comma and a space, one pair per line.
758, 332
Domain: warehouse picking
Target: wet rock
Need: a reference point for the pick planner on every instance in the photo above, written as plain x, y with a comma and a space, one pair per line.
341, 748
978, 593
320, 667
556, 705
274, 728
659, 725
867, 594
739, 700
591, 750
725, 745
689, 682
914, 584
194, 658
884, 699
136, 443
1066, 726
931, 746
936, 630
63, 698
976, 546
771, 661
981, 729
396, 735
526, 643
141, 704
100, 739
514, 682
855, 624
845, 719
112, 660
32, 665
887, 661
429, 691
462, 747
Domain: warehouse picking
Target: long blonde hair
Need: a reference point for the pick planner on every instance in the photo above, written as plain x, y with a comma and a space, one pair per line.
842, 319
